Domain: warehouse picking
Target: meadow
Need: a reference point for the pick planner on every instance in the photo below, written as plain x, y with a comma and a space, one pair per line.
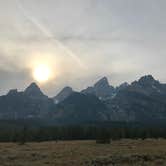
125, 152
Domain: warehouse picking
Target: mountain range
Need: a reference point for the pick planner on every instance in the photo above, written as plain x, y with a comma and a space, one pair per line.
143, 100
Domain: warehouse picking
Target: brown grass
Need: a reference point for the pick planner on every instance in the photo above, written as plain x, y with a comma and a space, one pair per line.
87, 153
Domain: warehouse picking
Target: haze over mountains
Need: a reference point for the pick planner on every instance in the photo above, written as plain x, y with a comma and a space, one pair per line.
142, 100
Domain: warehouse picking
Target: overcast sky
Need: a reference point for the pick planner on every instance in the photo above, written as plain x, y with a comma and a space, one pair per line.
82, 40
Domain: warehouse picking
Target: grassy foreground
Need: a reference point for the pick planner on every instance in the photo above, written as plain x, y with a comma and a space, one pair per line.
87, 153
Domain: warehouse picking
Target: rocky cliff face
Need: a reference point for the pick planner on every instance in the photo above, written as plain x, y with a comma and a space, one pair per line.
143, 100
101, 89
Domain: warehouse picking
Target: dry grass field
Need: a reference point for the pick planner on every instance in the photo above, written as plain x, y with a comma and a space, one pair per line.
87, 153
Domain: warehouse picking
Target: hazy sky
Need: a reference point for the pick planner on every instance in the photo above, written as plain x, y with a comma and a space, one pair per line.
82, 40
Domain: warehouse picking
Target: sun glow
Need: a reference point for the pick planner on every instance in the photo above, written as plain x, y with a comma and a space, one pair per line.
43, 67
42, 73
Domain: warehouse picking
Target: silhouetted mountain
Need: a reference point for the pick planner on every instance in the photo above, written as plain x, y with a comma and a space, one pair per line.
148, 85
140, 101
12, 92
34, 91
143, 100
63, 94
31, 103
122, 86
80, 107
101, 89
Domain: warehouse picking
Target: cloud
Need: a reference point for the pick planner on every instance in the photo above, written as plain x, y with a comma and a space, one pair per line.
120, 39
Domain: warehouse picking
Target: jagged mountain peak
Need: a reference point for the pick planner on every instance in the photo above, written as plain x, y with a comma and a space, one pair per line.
67, 88
63, 94
103, 82
122, 86
101, 89
125, 84
33, 85
12, 92
33, 90
147, 78
65, 91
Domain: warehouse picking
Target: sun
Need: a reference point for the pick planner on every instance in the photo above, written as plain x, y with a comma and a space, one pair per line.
42, 73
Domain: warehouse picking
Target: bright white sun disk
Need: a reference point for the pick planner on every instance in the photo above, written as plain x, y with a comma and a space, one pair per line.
41, 73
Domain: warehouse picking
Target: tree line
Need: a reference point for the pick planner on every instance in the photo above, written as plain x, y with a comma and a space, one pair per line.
38, 134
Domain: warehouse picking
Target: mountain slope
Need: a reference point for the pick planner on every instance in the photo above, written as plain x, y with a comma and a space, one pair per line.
80, 107
31, 103
33, 91
143, 100
101, 89
63, 94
